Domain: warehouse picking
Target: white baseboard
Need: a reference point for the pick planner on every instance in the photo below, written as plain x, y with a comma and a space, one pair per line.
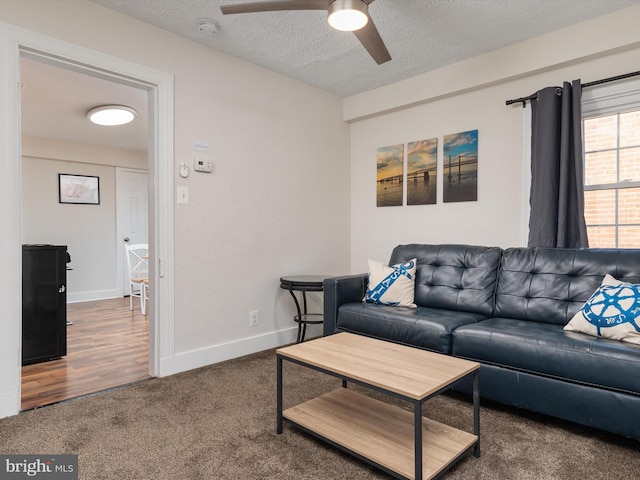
183, 362
92, 296
8, 404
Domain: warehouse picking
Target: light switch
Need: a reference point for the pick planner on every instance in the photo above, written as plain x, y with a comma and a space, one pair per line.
183, 195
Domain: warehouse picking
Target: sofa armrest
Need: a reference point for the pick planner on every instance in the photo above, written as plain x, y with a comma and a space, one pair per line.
338, 291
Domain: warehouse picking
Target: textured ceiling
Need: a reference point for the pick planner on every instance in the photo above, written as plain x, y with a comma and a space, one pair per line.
421, 35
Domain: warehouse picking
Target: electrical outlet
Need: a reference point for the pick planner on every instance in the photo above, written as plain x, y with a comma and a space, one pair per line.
253, 318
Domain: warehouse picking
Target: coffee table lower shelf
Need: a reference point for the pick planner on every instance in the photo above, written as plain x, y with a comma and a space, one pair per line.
380, 433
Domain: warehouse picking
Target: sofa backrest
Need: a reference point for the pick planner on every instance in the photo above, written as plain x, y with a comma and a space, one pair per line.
453, 277
551, 284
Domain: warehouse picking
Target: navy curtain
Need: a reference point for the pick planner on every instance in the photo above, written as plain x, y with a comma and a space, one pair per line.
557, 188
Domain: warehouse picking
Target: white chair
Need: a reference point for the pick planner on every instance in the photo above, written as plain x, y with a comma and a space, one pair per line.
137, 262
145, 296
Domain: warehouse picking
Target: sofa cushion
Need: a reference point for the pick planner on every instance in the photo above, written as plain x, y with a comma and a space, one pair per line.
453, 277
391, 285
551, 284
421, 327
547, 349
613, 311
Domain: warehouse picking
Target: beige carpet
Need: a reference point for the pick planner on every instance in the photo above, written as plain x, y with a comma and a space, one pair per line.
219, 422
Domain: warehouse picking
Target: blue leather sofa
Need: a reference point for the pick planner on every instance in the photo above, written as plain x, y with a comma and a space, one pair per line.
506, 309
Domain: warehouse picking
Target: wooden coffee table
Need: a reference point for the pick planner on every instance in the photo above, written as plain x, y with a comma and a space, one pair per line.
402, 443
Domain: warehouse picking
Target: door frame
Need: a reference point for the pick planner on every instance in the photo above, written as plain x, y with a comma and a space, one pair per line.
15, 41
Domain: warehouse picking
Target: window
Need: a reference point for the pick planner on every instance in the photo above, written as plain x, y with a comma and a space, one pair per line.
612, 180
611, 127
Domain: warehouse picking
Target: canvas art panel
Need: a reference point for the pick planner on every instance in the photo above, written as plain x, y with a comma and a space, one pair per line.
460, 167
422, 176
390, 176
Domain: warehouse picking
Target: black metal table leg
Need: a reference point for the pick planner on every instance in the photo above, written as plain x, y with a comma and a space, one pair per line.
279, 395
300, 335
476, 413
417, 418
302, 325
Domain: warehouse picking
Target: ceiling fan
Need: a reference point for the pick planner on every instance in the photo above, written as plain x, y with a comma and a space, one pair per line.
365, 30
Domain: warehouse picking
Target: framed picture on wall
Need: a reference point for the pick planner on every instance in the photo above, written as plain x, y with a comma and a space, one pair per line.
390, 175
80, 189
460, 167
422, 173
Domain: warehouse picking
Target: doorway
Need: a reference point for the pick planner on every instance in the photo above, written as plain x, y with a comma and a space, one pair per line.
160, 87
58, 139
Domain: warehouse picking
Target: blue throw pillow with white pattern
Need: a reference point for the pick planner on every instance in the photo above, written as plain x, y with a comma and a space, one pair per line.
393, 285
613, 312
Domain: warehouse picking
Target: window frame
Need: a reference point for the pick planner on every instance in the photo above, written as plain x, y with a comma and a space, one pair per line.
616, 98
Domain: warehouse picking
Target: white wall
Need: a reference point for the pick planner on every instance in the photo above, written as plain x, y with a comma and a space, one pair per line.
277, 202
466, 96
89, 231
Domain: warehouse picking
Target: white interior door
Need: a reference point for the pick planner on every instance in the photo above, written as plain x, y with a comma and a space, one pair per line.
132, 200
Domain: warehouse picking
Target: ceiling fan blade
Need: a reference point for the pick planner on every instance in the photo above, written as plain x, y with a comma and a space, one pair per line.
368, 36
275, 6
372, 41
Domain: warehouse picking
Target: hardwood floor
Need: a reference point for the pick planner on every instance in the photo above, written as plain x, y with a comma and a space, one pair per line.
107, 346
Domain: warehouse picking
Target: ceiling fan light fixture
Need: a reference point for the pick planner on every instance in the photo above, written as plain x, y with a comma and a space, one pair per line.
111, 115
348, 15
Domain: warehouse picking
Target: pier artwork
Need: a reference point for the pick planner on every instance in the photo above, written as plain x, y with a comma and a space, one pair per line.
421, 186
425, 174
457, 162
422, 174
389, 176
389, 191
392, 179
420, 179
460, 167
460, 178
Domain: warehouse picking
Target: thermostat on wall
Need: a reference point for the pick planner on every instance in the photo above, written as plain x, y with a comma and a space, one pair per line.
202, 164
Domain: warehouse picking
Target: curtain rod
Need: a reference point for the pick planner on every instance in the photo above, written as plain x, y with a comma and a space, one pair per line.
523, 100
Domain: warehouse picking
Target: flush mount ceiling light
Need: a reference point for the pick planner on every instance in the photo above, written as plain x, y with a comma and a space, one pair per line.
111, 115
348, 15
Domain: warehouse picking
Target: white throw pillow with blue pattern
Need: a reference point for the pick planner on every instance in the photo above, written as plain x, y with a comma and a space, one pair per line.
613, 312
391, 285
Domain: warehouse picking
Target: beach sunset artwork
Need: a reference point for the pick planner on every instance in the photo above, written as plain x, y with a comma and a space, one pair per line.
389, 176
460, 167
422, 176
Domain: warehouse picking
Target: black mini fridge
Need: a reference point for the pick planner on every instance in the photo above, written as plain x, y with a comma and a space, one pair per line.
44, 302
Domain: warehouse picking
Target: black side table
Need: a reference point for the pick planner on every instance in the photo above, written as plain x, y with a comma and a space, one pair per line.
304, 284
